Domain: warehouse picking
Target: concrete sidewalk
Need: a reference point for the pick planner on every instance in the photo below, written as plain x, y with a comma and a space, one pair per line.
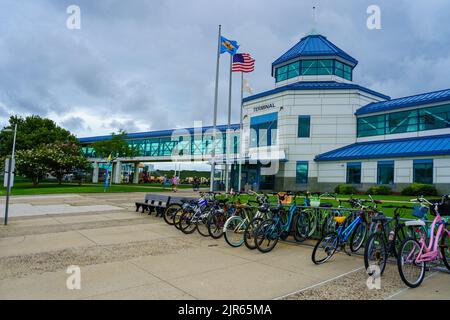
128, 255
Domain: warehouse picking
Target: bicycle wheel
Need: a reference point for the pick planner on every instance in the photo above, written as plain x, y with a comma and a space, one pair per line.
325, 248
170, 212
358, 236
188, 222
249, 233
329, 225
411, 272
216, 222
375, 252
202, 223
301, 226
313, 222
266, 236
445, 249
176, 218
233, 231
399, 237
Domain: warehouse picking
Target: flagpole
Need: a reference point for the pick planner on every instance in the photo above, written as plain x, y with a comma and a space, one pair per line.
213, 164
227, 145
241, 135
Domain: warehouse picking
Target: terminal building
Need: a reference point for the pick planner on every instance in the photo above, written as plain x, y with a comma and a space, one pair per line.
317, 128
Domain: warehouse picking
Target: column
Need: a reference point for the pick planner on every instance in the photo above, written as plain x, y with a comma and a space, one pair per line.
95, 173
136, 173
117, 170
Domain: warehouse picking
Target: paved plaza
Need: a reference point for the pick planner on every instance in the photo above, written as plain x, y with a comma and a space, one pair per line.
123, 254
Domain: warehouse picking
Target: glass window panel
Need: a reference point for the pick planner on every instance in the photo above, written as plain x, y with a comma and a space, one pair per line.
399, 122
304, 124
385, 172
423, 171
282, 69
324, 71
371, 126
294, 66
293, 73
309, 63
325, 63
434, 118
301, 176
354, 172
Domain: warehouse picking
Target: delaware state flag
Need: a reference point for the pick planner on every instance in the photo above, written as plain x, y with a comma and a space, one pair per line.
229, 46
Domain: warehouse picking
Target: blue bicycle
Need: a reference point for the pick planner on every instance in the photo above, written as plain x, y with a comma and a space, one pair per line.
279, 226
353, 228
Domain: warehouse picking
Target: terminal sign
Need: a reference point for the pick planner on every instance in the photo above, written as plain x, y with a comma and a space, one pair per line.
264, 107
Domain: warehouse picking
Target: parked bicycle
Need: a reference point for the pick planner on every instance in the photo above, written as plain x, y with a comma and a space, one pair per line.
415, 254
279, 226
385, 241
351, 229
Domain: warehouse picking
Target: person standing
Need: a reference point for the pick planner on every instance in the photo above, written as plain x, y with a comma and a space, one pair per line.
164, 182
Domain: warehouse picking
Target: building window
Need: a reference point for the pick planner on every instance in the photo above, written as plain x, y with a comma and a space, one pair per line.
301, 176
263, 130
371, 126
423, 171
385, 172
400, 122
406, 121
304, 123
313, 67
354, 172
317, 67
343, 70
434, 118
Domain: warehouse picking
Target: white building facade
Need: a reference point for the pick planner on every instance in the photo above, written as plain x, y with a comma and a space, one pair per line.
317, 129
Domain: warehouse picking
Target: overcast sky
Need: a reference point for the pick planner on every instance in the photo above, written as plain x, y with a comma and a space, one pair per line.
148, 65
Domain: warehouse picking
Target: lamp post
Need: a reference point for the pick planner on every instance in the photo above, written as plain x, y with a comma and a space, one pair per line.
10, 170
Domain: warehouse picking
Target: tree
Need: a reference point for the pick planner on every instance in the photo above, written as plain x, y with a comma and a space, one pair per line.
116, 147
64, 158
33, 131
42, 148
32, 163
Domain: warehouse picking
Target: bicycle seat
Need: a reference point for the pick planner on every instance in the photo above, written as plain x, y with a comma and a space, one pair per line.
415, 223
379, 218
326, 205
340, 219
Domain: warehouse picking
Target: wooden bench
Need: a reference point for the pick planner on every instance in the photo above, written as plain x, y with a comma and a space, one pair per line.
153, 202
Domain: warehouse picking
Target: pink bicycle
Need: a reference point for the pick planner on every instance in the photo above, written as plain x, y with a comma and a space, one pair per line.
413, 254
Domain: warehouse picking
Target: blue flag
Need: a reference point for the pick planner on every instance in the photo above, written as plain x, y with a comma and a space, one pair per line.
229, 46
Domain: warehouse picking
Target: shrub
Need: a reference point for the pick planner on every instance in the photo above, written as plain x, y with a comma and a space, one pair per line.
380, 190
345, 189
417, 189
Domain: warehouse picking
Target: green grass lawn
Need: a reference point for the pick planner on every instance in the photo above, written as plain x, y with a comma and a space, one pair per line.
24, 187
27, 188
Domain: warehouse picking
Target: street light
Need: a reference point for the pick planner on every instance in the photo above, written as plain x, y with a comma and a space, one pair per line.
10, 170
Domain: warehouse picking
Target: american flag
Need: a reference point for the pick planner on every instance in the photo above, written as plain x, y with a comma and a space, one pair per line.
243, 62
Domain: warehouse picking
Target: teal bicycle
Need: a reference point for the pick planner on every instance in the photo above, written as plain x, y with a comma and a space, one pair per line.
279, 226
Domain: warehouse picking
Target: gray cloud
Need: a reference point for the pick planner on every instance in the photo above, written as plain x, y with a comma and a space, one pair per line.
143, 65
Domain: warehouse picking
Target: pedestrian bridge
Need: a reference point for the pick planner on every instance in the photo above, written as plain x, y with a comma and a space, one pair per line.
188, 144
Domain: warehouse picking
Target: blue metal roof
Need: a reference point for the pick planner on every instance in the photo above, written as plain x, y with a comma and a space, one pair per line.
315, 85
314, 45
157, 134
408, 147
411, 101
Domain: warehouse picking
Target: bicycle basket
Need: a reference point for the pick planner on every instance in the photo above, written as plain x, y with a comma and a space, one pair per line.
286, 199
419, 211
315, 202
